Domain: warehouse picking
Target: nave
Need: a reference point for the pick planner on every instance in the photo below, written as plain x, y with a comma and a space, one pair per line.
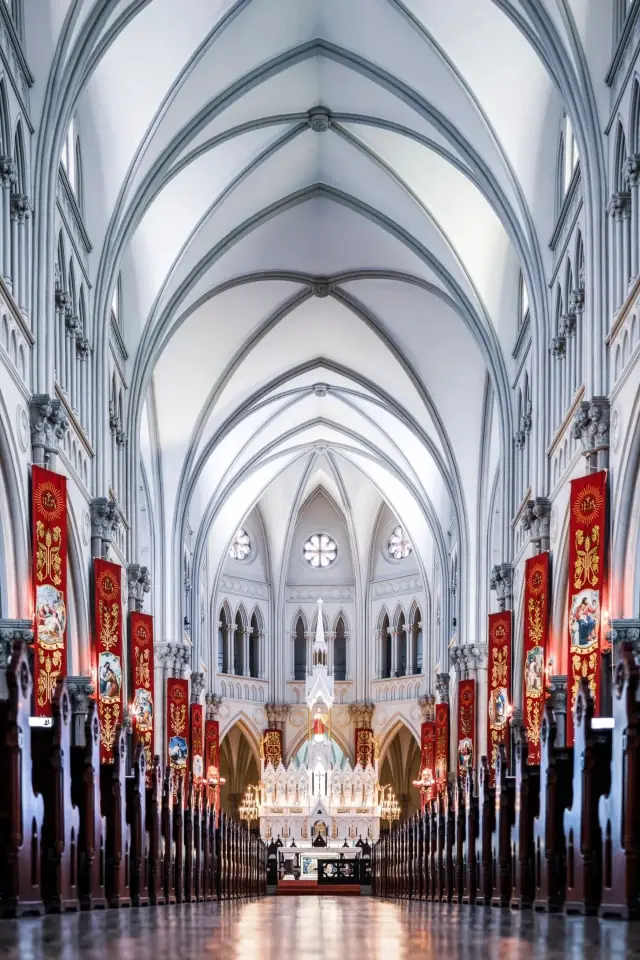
290, 927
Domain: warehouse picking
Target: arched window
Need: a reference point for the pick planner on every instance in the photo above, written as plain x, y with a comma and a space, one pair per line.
419, 642
523, 301
69, 156
299, 652
402, 647
223, 626
254, 640
340, 652
568, 157
238, 636
385, 640
116, 304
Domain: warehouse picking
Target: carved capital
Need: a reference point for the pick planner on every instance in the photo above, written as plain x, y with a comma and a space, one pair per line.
49, 425
442, 687
568, 324
138, 582
319, 119
558, 693
576, 300
633, 169
99, 512
63, 301
121, 438
624, 632
8, 172
427, 706
82, 348
558, 347
114, 420
198, 684
520, 439
536, 521
361, 713
20, 207
591, 425
81, 689
213, 702
526, 421
277, 714
501, 582
620, 205
476, 656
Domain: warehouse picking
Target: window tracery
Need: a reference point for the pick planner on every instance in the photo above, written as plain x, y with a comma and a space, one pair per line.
399, 544
240, 545
320, 550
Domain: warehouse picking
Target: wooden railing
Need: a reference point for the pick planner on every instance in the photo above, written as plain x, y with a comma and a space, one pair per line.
75, 833
564, 835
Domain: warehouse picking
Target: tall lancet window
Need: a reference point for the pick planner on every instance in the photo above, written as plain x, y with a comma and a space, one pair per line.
299, 652
340, 652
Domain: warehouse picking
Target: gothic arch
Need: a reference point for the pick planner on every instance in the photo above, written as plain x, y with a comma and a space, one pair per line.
336, 734
249, 728
388, 732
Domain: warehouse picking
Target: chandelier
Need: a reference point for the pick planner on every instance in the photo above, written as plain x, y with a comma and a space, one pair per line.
389, 806
249, 807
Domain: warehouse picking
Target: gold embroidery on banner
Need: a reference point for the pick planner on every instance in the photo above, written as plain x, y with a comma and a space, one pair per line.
48, 677
499, 667
587, 562
48, 559
109, 718
142, 668
109, 622
178, 718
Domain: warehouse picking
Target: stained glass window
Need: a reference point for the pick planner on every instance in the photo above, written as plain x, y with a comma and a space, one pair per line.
320, 550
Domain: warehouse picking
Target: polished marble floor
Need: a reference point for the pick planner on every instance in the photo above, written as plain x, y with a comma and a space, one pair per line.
290, 928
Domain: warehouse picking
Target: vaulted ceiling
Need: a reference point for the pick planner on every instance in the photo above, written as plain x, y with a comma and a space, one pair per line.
318, 209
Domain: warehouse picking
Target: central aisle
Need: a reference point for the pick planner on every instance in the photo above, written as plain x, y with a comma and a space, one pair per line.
290, 928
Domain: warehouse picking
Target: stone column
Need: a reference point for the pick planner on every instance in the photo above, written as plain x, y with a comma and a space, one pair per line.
228, 645
261, 658
395, 653
410, 641
246, 635
105, 520
139, 583
213, 702
626, 245
20, 211
477, 657
558, 349
576, 306
8, 177
633, 175
198, 684
558, 698
49, 425
10, 631
569, 331
501, 582
591, 427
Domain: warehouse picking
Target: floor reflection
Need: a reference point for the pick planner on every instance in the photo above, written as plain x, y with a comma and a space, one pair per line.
337, 928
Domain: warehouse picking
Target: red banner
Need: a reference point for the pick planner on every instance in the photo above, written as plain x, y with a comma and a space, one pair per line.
466, 725
141, 646
272, 747
499, 683
197, 743
587, 542
212, 758
536, 636
108, 652
49, 552
364, 747
428, 755
442, 743
178, 727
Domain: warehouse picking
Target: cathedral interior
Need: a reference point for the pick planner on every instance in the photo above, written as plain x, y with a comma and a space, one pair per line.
319, 495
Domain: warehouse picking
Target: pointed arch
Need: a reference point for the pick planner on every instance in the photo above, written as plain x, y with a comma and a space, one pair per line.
242, 613
20, 161
620, 160
5, 120
340, 648
384, 639
299, 652
398, 613
299, 614
381, 616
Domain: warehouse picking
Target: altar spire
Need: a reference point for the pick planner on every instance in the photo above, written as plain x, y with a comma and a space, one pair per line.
319, 686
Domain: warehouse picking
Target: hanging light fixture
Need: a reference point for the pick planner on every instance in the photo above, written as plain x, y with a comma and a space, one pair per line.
389, 806
249, 807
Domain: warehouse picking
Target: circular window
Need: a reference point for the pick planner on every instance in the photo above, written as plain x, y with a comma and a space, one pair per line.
399, 544
240, 545
320, 550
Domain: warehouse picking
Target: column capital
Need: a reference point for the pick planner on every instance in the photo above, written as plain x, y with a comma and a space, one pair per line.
620, 205
568, 324
82, 348
277, 714
427, 706
624, 632
576, 300
501, 581
442, 687
62, 300
213, 702
633, 169
10, 631
20, 207
591, 427
558, 346
361, 713
81, 689
138, 583
49, 425
459, 661
198, 684
536, 520
8, 172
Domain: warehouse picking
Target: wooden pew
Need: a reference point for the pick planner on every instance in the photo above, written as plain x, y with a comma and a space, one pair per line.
486, 827
221, 856
420, 859
619, 811
178, 840
51, 759
556, 765
527, 807
137, 821
168, 842
21, 808
591, 779
114, 808
85, 794
433, 848
198, 811
449, 840
153, 811
460, 841
189, 843
471, 843
505, 791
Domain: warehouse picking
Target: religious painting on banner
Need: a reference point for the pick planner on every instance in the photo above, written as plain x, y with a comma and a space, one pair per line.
142, 665
108, 652
466, 725
536, 633
428, 757
49, 542
442, 744
212, 759
177, 725
197, 743
499, 683
587, 543
365, 747
271, 749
